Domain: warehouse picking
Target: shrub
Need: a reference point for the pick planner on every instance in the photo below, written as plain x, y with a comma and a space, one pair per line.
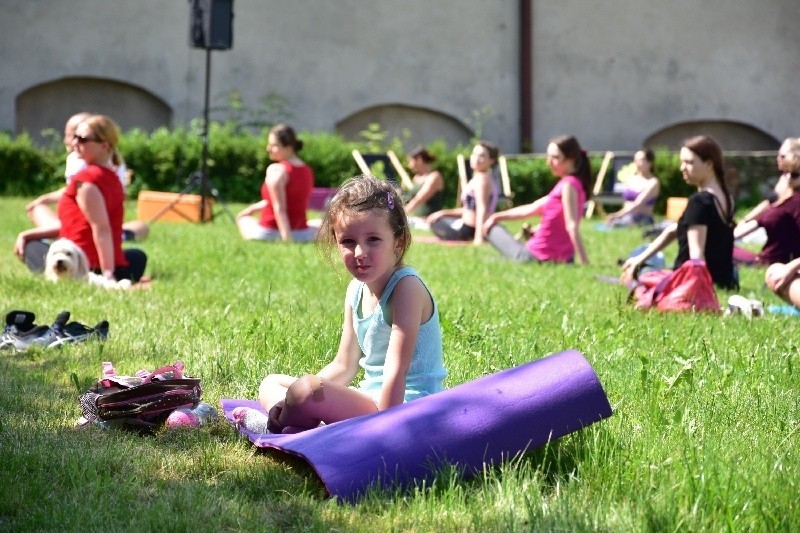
25, 170
165, 160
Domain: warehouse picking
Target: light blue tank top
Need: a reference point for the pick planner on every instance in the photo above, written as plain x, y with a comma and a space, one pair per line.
426, 373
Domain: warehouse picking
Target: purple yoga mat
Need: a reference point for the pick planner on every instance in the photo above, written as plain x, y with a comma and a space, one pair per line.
474, 424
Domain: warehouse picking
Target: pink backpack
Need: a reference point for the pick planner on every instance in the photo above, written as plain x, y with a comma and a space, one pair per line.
689, 288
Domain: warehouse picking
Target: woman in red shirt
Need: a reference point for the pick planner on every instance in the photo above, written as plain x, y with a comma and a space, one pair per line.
285, 194
91, 209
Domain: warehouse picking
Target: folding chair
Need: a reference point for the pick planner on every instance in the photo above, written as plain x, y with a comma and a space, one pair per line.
604, 191
388, 165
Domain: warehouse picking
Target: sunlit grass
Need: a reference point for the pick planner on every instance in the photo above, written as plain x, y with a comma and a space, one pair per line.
706, 409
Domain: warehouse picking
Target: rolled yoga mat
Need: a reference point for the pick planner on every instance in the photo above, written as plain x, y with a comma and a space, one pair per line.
474, 424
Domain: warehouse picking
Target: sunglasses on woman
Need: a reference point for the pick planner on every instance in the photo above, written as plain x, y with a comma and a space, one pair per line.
83, 140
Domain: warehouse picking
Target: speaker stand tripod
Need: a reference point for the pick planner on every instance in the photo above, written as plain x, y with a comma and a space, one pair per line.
199, 179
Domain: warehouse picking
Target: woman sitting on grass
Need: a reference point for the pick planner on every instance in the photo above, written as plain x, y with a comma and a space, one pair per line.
640, 194
90, 209
391, 322
784, 281
558, 236
285, 194
780, 216
479, 200
427, 194
705, 229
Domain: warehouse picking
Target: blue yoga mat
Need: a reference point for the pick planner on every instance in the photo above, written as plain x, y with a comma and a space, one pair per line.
475, 424
783, 310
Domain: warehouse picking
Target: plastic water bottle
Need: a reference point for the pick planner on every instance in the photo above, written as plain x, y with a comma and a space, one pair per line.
203, 413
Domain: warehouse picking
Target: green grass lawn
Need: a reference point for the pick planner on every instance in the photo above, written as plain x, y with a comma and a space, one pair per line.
704, 434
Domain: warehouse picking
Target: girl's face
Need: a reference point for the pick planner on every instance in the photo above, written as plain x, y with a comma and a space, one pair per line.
89, 148
558, 163
480, 160
368, 247
786, 159
277, 152
695, 171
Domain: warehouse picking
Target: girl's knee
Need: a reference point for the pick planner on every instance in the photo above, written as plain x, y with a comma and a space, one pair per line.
272, 389
303, 390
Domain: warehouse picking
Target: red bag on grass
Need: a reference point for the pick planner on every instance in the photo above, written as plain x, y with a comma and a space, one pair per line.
689, 288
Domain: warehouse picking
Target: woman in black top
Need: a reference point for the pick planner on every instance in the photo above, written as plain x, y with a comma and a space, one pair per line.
705, 230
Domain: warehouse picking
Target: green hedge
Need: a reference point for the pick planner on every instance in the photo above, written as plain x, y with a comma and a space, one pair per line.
164, 159
26, 170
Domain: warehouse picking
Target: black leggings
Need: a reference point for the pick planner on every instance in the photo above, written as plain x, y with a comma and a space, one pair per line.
36, 253
452, 229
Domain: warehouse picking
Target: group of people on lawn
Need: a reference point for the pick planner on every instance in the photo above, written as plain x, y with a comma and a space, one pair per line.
390, 318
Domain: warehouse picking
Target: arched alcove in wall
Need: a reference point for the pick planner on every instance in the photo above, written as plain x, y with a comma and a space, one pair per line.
731, 135
50, 104
424, 125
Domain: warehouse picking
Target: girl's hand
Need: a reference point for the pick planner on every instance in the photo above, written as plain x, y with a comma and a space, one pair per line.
433, 217
274, 424
630, 269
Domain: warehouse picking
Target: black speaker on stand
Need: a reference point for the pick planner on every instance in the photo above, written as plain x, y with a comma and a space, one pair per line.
210, 28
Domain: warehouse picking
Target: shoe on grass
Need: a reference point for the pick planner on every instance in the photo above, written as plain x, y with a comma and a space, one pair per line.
61, 332
36, 336
73, 332
17, 323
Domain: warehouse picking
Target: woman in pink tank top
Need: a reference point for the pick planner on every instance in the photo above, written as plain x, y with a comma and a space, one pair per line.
557, 237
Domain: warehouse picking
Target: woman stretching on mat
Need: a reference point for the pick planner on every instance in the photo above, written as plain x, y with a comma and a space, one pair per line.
479, 200
705, 229
558, 236
391, 322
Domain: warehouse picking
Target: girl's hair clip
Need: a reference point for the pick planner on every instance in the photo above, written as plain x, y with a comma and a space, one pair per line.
390, 200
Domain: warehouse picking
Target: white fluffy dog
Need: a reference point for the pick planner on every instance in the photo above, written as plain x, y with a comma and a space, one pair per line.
65, 260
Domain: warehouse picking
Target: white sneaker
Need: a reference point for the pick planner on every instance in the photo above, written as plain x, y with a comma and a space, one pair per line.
740, 305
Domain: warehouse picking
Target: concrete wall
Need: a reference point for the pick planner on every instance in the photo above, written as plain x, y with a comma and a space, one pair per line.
613, 72
330, 59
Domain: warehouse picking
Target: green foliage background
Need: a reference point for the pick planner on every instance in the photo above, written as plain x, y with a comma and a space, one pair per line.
164, 159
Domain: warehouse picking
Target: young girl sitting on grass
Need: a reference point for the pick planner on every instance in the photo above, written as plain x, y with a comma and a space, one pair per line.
391, 322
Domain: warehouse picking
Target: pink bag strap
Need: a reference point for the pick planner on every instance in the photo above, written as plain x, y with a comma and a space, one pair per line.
176, 368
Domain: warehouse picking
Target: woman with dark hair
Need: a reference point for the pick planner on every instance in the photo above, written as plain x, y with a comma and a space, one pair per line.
558, 237
478, 199
705, 229
427, 194
285, 194
640, 193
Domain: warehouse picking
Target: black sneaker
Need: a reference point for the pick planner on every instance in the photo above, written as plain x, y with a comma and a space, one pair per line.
17, 323
77, 332
37, 336
61, 332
